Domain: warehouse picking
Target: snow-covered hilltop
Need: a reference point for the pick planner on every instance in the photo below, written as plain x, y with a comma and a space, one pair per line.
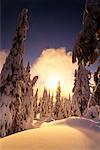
16, 88
72, 134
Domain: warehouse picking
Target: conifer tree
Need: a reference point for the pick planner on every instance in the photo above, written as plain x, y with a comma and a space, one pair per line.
67, 107
58, 112
93, 109
52, 104
43, 104
81, 91
48, 104
87, 46
16, 88
35, 106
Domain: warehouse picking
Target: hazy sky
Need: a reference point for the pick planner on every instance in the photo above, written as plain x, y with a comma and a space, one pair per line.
53, 24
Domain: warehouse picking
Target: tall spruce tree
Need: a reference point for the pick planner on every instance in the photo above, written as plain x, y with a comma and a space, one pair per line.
87, 46
67, 107
35, 105
81, 91
16, 88
43, 104
49, 105
58, 112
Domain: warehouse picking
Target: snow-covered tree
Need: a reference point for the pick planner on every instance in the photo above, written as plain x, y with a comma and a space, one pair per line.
87, 46
67, 107
95, 95
49, 109
93, 109
35, 106
51, 106
81, 91
58, 112
16, 88
97, 86
43, 104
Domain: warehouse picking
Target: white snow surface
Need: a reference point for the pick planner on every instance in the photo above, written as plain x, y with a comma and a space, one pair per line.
67, 134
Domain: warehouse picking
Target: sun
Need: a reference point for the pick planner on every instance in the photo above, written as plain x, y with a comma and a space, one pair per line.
52, 82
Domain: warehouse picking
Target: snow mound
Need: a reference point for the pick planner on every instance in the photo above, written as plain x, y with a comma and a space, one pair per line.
79, 122
72, 134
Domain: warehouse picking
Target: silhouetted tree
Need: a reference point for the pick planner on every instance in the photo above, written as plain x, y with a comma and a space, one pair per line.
87, 46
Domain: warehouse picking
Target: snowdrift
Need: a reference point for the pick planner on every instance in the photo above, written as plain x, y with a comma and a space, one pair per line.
67, 134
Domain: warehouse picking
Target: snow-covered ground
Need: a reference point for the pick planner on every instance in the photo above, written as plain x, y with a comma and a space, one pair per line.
67, 134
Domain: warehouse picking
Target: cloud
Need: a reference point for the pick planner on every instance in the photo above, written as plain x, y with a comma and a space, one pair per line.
3, 56
52, 65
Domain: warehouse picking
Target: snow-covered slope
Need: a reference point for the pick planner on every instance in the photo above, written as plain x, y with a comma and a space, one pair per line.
67, 134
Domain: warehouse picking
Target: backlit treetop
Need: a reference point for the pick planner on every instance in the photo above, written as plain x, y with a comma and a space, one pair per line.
87, 46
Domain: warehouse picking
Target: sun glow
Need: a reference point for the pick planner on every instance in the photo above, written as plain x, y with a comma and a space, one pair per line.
52, 82
52, 66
